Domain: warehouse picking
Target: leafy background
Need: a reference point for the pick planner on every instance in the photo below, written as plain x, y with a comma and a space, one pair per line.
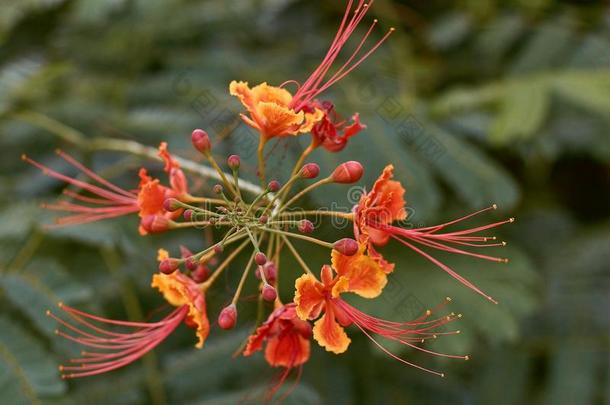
474, 102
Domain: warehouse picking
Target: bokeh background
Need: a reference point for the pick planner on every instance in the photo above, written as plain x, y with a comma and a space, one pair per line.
474, 102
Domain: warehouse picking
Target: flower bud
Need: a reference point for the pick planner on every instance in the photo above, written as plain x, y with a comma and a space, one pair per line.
270, 271
228, 317
201, 141
273, 186
233, 161
171, 205
200, 274
348, 172
269, 293
305, 226
257, 272
310, 171
263, 219
346, 246
188, 215
168, 266
155, 224
260, 258
217, 189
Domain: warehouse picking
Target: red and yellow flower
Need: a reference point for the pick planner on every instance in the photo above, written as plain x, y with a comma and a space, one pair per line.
111, 349
286, 337
270, 110
358, 274
106, 200
384, 204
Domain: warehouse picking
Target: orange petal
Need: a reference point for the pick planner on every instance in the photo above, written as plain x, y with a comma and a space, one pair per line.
388, 197
287, 350
278, 120
179, 290
329, 334
162, 254
264, 93
365, 275
308, 297
311, 119
151, 197
164, 154
242, 91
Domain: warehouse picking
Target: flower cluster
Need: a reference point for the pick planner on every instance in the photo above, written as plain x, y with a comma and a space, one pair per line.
263, 226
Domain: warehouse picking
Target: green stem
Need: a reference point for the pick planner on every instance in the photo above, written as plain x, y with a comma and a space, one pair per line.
305, 191
299, 236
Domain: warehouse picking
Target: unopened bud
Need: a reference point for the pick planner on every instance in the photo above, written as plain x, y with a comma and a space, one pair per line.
201, 141
188, 215
263, 219
260, 258
171, 205
168, 266
155, 224
273, 186
217, 189
233, 161
200, 274
270, 270
348, 172
305, 226
269, 293
310, 171
228, 317
346, 246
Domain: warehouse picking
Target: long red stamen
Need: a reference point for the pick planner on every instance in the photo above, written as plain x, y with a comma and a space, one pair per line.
431, 237
407, 333
317, 81
117, 349
110, 201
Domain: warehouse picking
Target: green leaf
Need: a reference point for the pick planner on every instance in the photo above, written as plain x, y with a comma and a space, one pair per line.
40, 287
14, 76
27, 372
524, 108
588, 90
476, 178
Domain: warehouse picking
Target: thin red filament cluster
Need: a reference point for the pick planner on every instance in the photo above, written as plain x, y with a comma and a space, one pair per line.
316, 83
410, 333
447, 242
112, 349
108, 200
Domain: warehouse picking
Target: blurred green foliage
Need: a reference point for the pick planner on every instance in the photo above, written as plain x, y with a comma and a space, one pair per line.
474, 102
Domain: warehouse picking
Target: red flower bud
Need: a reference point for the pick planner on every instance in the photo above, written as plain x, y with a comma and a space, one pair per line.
168, 266
228, 317
263, 219
233, 161
201, 141
155, 224
269, 293
171, 205
200, 274
305, 226
348, 172
270, 271
310, 171
188, 215
260, 258
273, 186
346, 246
